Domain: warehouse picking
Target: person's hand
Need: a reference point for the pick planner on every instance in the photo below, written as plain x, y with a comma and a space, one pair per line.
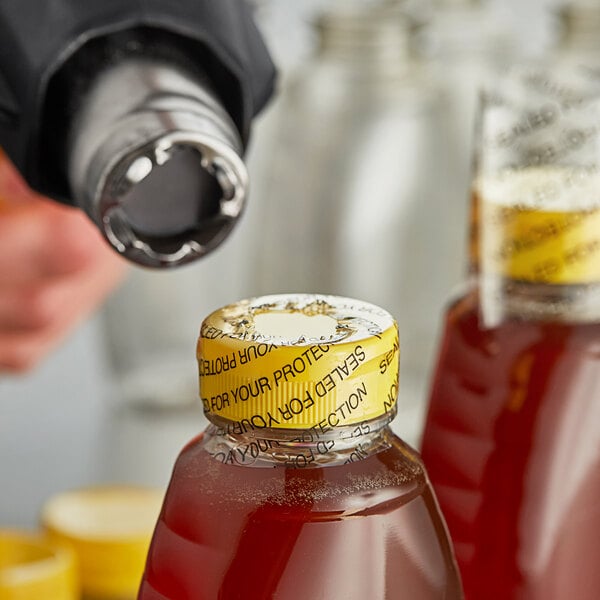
55, 269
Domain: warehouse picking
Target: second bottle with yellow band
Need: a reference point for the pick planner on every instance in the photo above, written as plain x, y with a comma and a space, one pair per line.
511, 439
298, 488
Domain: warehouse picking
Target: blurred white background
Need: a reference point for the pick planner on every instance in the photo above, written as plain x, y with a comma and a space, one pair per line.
68, 424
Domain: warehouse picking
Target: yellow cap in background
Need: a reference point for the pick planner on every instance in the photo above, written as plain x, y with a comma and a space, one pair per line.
109, 528
32, 568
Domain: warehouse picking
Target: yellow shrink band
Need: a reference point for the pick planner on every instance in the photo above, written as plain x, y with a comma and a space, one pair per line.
295, 361
541, 246
541, 224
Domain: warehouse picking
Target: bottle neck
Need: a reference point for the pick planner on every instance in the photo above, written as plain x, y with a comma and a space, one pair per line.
372, 38
580, 25
466, 31
240, 443
450, 4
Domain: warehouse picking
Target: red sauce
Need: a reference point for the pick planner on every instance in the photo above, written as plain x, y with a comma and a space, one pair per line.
512, 446
366, 530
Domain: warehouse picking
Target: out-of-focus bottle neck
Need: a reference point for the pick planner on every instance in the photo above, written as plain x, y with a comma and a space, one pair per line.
380, 36
536, 195
450, 4
580, 22
467, 30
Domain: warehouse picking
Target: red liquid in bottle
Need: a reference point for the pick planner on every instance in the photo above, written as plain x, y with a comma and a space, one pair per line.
512, 446
365, 530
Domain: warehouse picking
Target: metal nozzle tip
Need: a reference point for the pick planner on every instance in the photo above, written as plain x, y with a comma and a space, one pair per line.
172, 201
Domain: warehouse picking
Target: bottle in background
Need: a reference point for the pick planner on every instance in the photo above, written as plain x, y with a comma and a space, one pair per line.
512, 442
148, 338
464, 42
348, 186
298, 488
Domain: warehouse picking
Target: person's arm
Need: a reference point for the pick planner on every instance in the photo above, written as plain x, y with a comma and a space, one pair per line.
55, 269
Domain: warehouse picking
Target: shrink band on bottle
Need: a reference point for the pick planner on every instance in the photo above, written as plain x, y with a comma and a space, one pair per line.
541, 225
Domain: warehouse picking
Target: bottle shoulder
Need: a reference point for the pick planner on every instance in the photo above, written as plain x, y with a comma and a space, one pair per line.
467, 341
378, 482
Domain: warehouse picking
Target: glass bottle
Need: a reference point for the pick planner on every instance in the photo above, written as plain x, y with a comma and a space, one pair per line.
147, 333
348, 183
511, 441
298, 488
464, 41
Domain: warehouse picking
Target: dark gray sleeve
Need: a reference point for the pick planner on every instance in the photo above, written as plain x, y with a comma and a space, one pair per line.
49, 49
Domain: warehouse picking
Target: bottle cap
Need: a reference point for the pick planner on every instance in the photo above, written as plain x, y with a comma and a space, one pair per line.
32, 568
109, 528
295, 361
